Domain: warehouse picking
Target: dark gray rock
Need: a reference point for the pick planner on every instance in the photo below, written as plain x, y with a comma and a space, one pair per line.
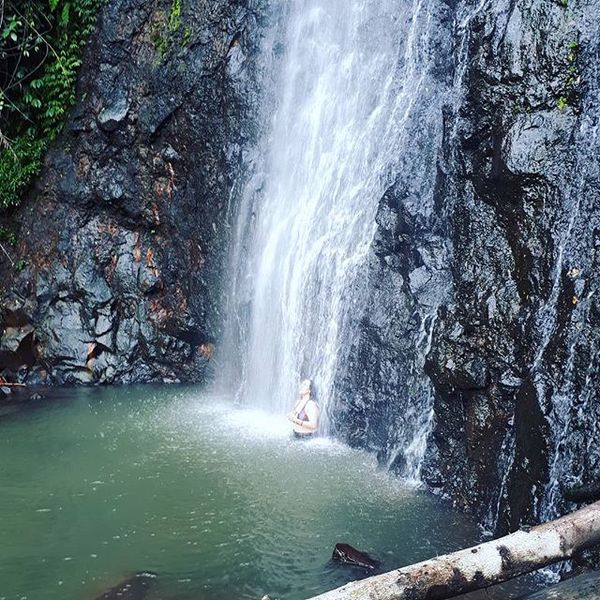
523, 236
112, 116
12, 337
126, 230
348, 555
484, 286
135, 587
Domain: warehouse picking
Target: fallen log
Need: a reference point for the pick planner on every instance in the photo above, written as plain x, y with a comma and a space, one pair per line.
489, 563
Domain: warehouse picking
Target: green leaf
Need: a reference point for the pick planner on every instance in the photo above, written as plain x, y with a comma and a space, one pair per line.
64, 16
53, 4
9, 29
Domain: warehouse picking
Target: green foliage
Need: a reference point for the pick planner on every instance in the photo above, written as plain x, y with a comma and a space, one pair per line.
7, 235
19, 163
20, 265
41, 42
163, 33
562, 103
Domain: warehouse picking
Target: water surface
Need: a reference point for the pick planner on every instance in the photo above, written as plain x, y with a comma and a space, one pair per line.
97, 483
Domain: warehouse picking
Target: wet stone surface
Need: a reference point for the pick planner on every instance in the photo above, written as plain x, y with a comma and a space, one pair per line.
125, 233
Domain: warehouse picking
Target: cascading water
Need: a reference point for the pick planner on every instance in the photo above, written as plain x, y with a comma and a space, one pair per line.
347, 82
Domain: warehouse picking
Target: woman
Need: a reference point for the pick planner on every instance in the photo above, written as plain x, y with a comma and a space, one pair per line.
305, 415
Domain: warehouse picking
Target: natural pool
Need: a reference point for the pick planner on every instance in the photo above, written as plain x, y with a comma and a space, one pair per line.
220, 502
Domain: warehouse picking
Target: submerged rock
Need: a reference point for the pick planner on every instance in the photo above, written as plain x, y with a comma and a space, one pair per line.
133, 588
348, 555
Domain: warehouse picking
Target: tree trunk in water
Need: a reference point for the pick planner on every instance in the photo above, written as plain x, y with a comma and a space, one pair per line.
482, 565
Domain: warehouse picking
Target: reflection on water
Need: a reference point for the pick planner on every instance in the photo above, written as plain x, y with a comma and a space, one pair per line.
220, 502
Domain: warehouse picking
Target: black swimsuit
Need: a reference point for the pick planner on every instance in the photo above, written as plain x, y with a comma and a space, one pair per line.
303, 435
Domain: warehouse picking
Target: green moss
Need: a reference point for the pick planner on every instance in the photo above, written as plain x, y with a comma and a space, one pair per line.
568, 96
160, 42
7, 235
185, 39
562, 103
175, 16
20, 265
163, 34
573, 51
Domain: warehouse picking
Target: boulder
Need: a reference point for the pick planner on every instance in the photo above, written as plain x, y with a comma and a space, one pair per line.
348, 555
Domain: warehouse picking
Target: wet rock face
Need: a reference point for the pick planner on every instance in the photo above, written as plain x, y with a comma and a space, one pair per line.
508, 263
383, 392
523, 237
127, 228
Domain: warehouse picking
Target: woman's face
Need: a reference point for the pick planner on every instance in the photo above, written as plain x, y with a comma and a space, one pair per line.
304, 388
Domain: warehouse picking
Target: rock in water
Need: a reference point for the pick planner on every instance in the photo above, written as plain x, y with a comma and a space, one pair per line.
132, 588
582, 493
349, 555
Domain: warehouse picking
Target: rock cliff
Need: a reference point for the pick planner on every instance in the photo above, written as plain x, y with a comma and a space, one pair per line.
514, 352
125, 233
490, 300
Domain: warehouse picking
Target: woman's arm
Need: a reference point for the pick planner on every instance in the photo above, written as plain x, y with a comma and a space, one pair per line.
293, 414
300, 405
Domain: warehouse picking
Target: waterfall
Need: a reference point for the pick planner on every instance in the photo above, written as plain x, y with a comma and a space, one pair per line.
348, 101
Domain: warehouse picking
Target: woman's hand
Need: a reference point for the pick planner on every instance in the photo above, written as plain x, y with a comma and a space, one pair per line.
291, 416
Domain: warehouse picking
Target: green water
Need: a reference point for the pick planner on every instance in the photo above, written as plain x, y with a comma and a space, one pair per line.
220, 502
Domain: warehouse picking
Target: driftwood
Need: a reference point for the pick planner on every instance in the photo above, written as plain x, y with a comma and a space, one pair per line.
483, 565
